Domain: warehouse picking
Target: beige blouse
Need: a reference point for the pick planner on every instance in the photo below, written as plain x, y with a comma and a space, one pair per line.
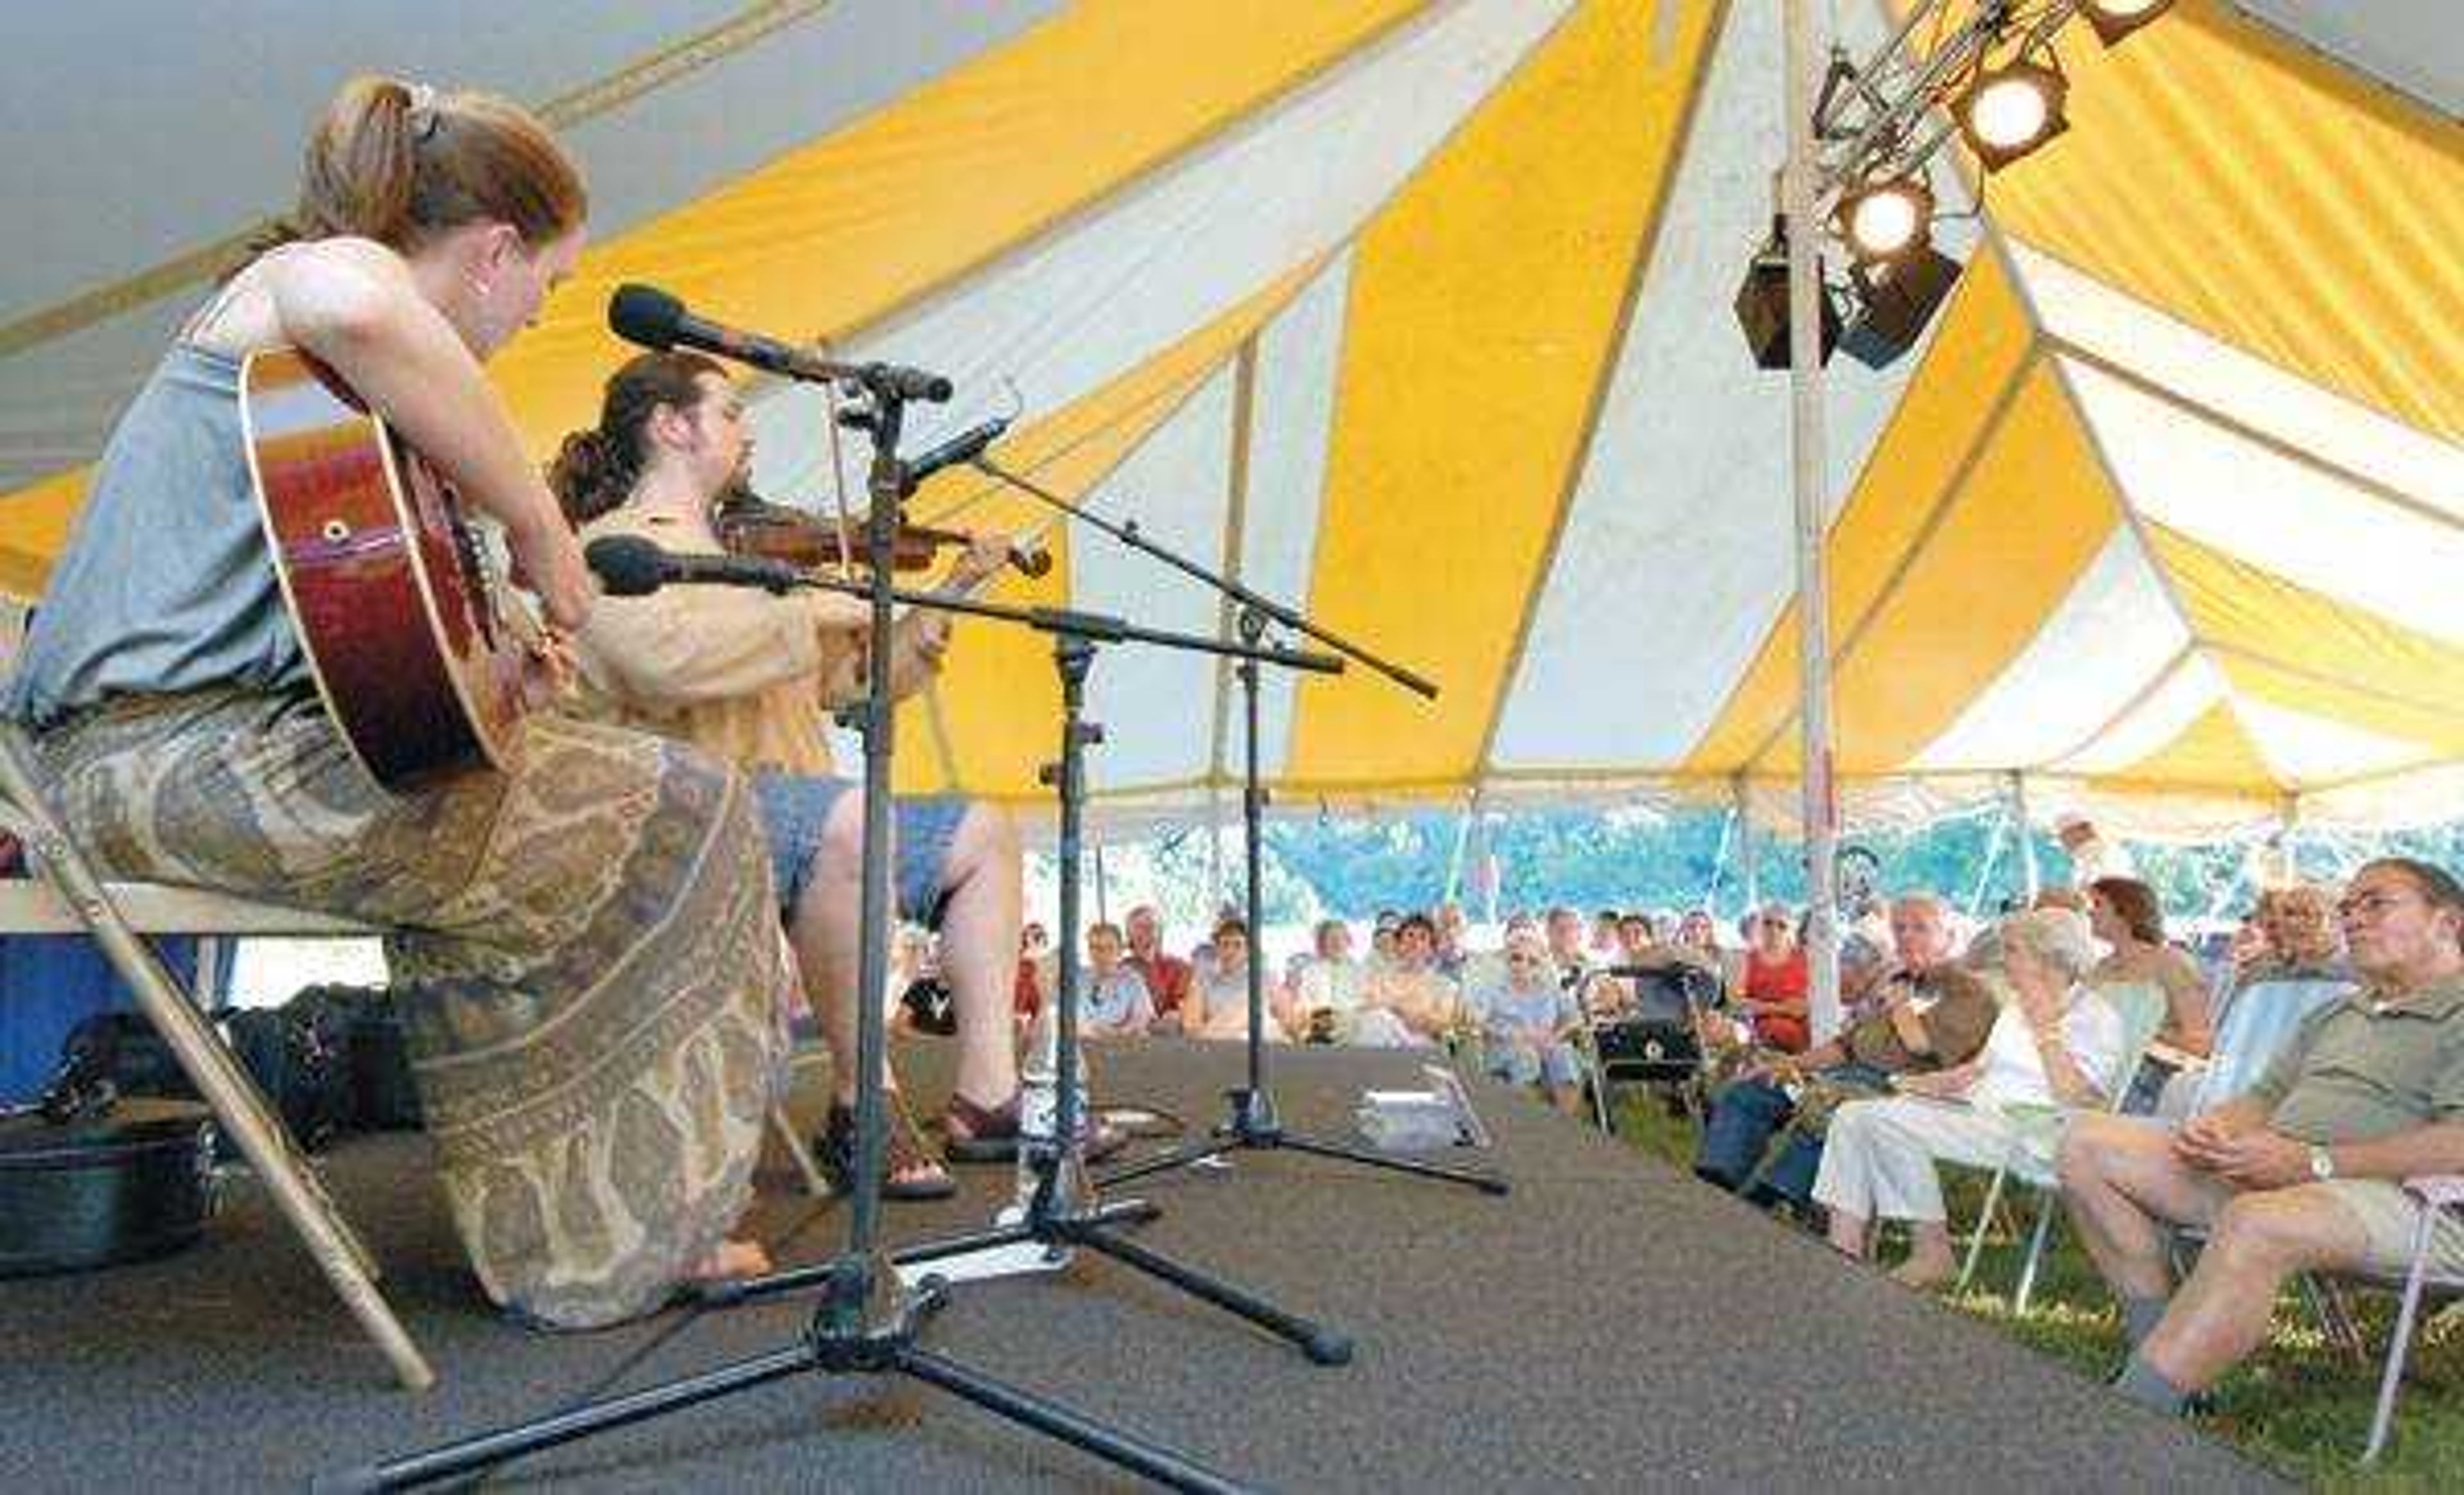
745, 674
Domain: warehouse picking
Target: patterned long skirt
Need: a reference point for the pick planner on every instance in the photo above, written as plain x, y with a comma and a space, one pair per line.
587, 954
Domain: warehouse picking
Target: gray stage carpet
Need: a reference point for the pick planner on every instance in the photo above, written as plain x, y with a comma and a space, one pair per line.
1609, 1322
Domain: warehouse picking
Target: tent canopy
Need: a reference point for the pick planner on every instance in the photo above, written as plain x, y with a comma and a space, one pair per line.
1417, 314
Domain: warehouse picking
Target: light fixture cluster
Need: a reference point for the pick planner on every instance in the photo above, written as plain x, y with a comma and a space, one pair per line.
1996, 76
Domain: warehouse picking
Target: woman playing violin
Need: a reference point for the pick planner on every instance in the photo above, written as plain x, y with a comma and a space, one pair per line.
750, 676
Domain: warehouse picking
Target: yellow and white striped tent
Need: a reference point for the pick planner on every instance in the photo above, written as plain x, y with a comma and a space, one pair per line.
1417, 312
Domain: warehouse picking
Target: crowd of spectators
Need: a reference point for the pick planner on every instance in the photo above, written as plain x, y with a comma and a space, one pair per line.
2079, 1029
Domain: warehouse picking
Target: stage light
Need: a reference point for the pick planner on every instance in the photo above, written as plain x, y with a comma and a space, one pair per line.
1883, 220
1762, 308
2114, 19
2010, 110
1892, 300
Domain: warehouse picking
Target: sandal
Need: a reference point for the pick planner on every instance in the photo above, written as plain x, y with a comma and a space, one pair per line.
990, 1135
909, 1169
973, 1133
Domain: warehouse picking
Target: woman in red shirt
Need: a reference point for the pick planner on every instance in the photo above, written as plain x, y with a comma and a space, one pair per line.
1771, 988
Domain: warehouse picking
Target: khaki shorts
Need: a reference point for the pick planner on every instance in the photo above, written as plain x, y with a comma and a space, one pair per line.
2389, 1217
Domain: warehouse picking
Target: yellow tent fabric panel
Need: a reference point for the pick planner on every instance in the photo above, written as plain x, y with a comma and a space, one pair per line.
1485, 312
2214, 754
2034, 511
2255, 190
1000, 728
1975, 363
832, 237
36, 528
2248, 615
2437, 726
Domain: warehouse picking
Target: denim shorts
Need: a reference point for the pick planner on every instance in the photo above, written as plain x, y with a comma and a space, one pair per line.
795, 807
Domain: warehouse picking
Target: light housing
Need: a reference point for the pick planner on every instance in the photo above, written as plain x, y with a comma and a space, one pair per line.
1762, 307
2114, 19
2007, 112
1892, 300
1885, 219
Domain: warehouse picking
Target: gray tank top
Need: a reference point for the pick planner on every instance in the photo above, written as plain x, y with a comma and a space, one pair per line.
167, 583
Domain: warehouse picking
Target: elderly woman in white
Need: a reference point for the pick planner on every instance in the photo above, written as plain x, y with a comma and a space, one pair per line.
2056, 1044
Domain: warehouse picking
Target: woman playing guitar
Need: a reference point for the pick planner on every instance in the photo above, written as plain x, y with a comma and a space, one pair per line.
574, 929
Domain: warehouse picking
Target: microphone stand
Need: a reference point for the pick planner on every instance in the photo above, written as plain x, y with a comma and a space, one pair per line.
1253, 1124
1064, 1210
866, 1322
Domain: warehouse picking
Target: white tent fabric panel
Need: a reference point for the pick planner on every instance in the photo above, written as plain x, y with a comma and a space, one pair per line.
2414, 45
1103, 292
1678, 554
2112, 637
2284, 516
1155, 703
2311, 748
1291, 419
2181, 698
699, 119
2204, 373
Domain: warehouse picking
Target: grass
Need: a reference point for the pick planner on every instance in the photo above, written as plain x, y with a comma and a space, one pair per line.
2300, 1406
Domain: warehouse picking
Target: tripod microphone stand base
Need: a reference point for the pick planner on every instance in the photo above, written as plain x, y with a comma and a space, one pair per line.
865, 1327
1255, 1128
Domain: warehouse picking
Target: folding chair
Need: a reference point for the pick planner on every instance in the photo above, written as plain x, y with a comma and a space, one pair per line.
2029, 1163
1652, 1041
67, 897
2437, 1193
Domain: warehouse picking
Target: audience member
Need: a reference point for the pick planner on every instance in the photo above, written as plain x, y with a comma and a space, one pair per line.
1925, 1020
1772, 981
1218, 997
2303, 1173
1324, 995
1528, 1023
1564, 929
2058, 1044
1034, 980
1454, 948
1411, 990
1114, 1000
2125, 915
926, 1004
1166, 975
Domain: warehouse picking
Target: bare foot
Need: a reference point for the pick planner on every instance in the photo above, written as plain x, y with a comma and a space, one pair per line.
1922, 1272
731, 1259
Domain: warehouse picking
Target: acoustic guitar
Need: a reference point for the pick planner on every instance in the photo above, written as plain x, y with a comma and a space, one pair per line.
393, 594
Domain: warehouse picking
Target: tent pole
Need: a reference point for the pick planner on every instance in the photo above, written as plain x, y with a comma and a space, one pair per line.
1215, 850
1720, 860
1820, 805
1463, 842
1103, 890
1993, 860
2031, 880
1750, 862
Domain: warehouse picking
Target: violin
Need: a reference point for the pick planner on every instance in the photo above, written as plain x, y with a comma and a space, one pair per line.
752, 526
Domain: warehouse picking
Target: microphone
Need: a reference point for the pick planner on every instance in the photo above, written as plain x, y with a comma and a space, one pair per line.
627, 565
965, 446
651, 317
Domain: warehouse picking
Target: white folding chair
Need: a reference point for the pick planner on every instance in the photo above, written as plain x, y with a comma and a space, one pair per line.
2029, 1161
2437, 1193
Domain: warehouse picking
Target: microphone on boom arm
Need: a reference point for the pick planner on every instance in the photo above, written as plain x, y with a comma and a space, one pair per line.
648, 316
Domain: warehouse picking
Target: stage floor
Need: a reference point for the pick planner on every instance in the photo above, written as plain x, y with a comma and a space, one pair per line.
1610, 1322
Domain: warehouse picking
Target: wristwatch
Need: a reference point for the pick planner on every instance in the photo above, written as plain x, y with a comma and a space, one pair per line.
2322, 1163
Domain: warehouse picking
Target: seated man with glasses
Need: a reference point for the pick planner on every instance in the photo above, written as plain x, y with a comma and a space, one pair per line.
2302, 1172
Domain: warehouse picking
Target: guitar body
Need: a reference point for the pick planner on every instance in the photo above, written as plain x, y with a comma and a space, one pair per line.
385, 579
